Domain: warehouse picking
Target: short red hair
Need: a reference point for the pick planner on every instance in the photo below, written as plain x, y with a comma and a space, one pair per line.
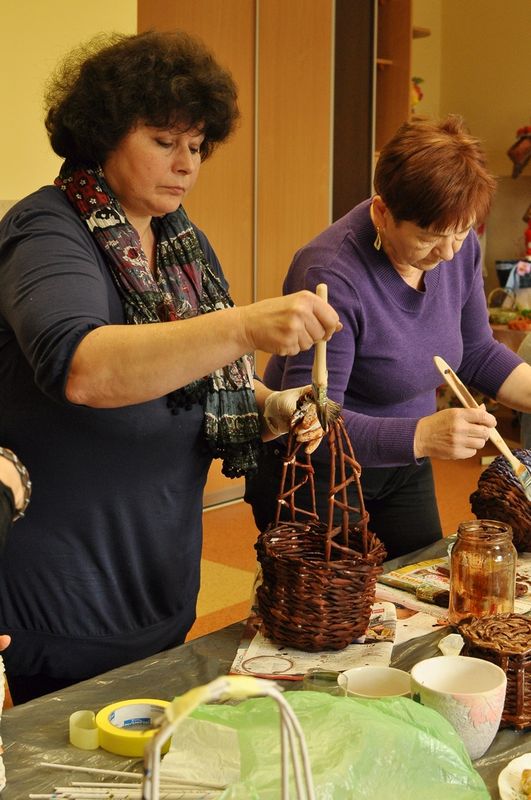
435, 175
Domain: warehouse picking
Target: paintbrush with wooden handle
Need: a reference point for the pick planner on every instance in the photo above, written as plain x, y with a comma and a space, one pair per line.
464, 396
327, 410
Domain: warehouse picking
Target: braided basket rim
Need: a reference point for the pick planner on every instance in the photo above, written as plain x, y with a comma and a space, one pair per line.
265, 545
468, 627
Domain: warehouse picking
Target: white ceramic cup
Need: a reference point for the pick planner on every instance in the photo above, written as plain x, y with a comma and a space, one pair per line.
375, 682
469, 692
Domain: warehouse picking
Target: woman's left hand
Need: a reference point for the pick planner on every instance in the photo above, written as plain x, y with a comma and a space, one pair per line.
294, 408
453, 433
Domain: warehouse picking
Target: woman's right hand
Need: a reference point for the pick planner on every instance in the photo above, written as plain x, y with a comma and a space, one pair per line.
286, 325
5, 641
121, 365
453, 433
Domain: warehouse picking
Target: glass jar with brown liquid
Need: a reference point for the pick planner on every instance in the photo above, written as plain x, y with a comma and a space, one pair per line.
482, 570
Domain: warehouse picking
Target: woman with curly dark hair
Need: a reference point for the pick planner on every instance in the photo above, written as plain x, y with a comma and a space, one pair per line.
123, 354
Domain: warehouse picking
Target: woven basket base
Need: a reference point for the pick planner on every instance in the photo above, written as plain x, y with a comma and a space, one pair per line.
505, 640
308, 603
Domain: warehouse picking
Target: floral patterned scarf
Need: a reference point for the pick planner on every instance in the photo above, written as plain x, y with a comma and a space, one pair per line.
231, 424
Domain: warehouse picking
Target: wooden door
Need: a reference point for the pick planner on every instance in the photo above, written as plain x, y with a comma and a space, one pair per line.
268, 191
294, 128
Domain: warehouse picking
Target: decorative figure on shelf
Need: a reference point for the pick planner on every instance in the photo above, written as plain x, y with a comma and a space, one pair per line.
416, 93
520, 151
527, 233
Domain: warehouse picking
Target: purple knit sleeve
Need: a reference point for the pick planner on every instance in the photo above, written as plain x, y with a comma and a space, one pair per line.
377, 440
380, 365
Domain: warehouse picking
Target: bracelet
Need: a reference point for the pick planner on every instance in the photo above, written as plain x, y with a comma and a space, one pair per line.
24, 475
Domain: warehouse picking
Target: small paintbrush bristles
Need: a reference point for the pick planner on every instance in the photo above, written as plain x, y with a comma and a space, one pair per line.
524, 476
328, 412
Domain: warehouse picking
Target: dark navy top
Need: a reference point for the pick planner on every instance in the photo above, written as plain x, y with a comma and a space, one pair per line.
104, 568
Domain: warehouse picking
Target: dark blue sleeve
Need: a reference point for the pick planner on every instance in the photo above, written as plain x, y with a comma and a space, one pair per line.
53, 292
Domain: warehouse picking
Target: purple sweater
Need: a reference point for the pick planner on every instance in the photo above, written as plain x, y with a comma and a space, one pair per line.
380, 366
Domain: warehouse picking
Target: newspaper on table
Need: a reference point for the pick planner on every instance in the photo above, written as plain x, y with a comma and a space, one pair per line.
406, 585
263, 658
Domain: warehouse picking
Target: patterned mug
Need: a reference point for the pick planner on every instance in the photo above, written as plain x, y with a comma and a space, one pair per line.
468, 692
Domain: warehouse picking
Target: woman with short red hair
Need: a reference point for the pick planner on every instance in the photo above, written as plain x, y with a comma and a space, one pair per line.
404, 273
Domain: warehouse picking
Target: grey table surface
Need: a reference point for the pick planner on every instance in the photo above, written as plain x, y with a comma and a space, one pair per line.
38, 731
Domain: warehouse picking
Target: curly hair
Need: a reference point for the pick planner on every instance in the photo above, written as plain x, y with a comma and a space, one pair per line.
435, 175
102, 89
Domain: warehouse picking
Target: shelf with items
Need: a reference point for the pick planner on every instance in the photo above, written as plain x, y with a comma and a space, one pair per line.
395, 34
393, 59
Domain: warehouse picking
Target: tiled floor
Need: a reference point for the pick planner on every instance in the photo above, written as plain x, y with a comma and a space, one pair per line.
227, 568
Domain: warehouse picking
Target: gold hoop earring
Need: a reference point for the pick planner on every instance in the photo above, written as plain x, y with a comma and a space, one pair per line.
378, 240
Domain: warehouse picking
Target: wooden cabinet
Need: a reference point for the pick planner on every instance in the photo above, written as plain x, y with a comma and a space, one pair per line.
268, 190
394, 35
353, 111
317, 89
393, 68
372, 89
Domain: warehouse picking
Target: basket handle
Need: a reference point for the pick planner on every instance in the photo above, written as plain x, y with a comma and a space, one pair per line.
341, 455
287, 496
344, 471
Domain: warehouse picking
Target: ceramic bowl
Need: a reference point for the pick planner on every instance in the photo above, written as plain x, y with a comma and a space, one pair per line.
375, 682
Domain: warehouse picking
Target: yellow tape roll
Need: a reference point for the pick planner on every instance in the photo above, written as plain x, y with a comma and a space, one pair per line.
121, 728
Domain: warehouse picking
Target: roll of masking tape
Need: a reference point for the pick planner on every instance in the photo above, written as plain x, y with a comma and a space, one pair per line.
121, 728
83, 731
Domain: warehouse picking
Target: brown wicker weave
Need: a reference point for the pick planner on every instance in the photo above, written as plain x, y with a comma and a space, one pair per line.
505, 639
318, 580
500, 496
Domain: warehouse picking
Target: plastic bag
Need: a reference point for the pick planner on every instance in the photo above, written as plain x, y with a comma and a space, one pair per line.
359, 749
519, 281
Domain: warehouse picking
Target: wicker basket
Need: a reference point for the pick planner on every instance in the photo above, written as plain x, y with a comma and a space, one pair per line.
505, 639
318, 582
502, 306
500, 496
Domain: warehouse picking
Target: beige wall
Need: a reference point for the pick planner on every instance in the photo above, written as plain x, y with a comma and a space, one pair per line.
225, 180
34, 35
485, 76
476, 63
426, 55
